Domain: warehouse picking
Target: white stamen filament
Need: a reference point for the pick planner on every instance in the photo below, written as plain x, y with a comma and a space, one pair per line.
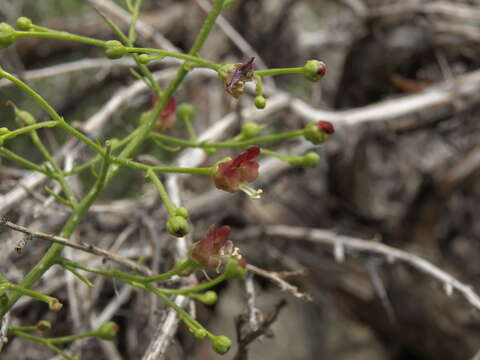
253, 193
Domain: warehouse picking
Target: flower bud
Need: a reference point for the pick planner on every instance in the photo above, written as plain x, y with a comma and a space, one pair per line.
221, 344
24, 23
235, 269
250, 130
44, 325
23, 118
8, 35
178, 226
108, 331
55, 305
311, 159
114, 49
186, 111
314, 70
210, 150
317, 132
209, 298
182, 211
144, 58
260, 102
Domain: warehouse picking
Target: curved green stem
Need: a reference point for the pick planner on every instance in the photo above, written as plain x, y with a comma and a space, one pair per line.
50, 110
205, 286
178, 269
26, 129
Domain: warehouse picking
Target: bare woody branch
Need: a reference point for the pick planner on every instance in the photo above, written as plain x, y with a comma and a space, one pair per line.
371, 247
245, 339
83, 246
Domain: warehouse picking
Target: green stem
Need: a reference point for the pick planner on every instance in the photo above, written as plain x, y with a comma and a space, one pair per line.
27, 129
293, 160
50, 110
229, 143
129, 42
115, 146
205, 286
163, 169
7, 286
135, 14
61, 35
163, 193
179, 268
177, 55
283, 71
14, 157
60, 178
186, 318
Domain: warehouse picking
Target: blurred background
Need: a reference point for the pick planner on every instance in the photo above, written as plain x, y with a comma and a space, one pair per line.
403, 90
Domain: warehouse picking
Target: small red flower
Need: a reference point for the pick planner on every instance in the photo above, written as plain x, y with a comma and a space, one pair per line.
167, 117
233, 175
209, 251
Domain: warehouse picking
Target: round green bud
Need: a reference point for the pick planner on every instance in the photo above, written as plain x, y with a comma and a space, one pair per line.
8, 35
108, 331
186, 111
221, 344
250, 130
260, 102
182, 211
210, 150
314, 70
144, 58
24, 118
233, 270
209, 298
4, 130
114, 49
178, 226
24, 23
200, 333
311, 159
55, 305
44, 325
317, 132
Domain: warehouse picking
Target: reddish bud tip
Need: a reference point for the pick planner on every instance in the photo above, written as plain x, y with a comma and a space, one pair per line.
325, 126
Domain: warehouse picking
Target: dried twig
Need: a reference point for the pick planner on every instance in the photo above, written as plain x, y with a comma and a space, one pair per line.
80, 245
365, 246
4, 324
245, 339
276, 278
254, 314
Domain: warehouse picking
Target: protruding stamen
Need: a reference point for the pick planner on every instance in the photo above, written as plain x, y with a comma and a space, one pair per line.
253, 193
